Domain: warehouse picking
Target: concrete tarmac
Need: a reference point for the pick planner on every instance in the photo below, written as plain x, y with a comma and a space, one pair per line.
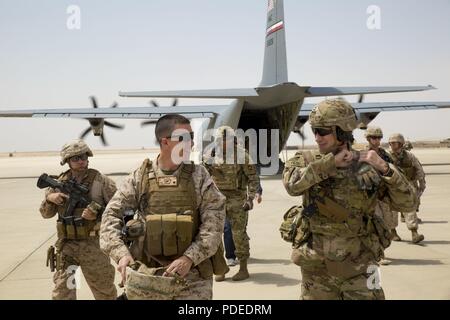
417, 271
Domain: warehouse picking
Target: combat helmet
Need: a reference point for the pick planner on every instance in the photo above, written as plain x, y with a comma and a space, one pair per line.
334, 113
397, 137
374, 132
74, 148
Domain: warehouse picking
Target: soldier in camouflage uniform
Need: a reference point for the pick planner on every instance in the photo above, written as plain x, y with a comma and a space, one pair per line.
374, 136
182, 215
339, 238
413, 170
79, 246
236, 177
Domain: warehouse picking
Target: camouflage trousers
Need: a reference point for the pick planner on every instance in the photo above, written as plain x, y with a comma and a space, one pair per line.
411, 220
196, 288
390, 218
238, 218
317, 284
96, 268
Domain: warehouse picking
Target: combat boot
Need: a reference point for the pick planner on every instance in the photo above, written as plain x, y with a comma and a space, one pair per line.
395, 236
385, 262
416, 237
243, 272
220, 278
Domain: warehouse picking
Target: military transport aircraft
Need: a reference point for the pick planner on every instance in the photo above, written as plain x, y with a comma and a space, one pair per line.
275, 103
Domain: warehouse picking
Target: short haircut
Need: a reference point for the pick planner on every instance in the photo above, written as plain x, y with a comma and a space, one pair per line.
166, 125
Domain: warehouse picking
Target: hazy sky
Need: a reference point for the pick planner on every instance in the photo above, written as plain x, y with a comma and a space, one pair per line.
174, 44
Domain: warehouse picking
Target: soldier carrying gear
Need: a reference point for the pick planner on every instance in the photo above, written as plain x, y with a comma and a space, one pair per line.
339, 238
413, 170
383, 210
78, 224
236, 177
183, 215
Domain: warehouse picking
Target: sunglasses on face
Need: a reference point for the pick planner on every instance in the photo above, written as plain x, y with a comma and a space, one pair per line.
322, 131
83, 157
376, 138
189, 136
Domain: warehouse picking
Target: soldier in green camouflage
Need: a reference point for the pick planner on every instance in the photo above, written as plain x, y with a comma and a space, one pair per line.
339, 238
413, 170
182, 215
78, 245
239, 182
383, 210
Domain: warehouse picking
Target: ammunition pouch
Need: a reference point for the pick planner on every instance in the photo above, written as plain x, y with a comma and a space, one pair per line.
168, 235
75, 228
378, 237
295, 226
51, 259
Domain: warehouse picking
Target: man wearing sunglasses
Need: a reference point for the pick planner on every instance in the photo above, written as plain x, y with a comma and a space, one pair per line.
78, 243
183, 215
236, 177
414, 172
340, 239
374, 135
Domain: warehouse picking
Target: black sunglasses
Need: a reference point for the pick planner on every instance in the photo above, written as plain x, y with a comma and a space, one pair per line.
83, 157
375, 138
322, 131
182, 137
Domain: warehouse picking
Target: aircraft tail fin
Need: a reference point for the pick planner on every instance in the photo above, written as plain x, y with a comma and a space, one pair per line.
275, 60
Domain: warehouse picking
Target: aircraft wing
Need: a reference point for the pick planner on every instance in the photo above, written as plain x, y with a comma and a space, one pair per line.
120, 112
340, 91
207, 93
377, 107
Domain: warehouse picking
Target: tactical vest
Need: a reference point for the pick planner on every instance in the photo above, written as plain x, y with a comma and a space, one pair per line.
169, 205
226, 176
338, 207
81, 229
404, 162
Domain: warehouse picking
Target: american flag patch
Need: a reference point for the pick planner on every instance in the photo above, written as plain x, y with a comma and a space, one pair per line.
277, 26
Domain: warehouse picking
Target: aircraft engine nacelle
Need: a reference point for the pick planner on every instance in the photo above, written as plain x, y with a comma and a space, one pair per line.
97, 126
365, 119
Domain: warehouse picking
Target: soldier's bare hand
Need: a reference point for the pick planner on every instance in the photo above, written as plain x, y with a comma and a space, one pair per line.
57, 198
180, 266
343, 158
372, 158
122, 266
258, 198
88, 215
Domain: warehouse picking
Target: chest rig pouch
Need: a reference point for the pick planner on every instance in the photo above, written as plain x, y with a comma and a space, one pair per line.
170, 208
71, 225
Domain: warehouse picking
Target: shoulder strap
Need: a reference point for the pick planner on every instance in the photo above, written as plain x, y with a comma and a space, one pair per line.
144, 171
63, 176
91, 174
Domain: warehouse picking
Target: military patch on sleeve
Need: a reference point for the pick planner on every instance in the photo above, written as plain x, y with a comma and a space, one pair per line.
168, 181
